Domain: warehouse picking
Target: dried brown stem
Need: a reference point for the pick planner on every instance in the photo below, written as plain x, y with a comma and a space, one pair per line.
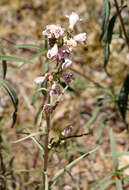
122, 23
46, 148
87, 78
55, 144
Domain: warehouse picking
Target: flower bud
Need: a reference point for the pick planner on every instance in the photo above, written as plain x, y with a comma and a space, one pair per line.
68, 77
80, 37
67, 130
47, 108
39, 80
66, 64
55, 89
73, 18
52, 52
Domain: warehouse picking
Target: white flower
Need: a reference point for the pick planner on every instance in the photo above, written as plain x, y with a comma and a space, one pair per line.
55, 30
52, 52
39, 80
66, 64
73, 18
71, 43
80, 37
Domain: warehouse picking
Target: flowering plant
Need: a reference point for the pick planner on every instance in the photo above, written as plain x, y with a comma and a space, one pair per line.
60, 43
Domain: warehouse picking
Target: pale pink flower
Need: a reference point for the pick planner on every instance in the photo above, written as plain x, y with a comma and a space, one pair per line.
39, 80
71, 43
64, 52
68, 77
55, 30
67, 130
73, 18
52, 52
66, 64
80, 37
58, 31
55, 89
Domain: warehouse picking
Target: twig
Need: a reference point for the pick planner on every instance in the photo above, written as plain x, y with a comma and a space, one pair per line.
68, 137
87, 78
14, 44
122, 23
9, 41
74, 136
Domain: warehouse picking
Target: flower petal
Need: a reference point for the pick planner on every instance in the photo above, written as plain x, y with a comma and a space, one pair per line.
80, 37
73, 18
52, 52
39, 80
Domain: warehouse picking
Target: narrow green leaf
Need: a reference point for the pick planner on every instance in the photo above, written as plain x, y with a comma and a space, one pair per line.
123, 99
119, 184
36, 55
4, 63
45, 68
106, 52
110, 28
43, 85
99, 131
106, 185
113, 150
61, 171
93, 117
38, 144
13, 97
105, 17
5, 143
124, 168
118, 154
38, 114
4, 68
101, 182
15, 59
36, 95
32, 46
29, 136
24, 126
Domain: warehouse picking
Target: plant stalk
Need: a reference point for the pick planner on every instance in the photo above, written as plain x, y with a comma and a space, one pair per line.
46, 149
122, 23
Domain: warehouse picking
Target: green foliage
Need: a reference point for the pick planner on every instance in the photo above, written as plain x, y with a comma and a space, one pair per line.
119, 184
13, 97
61, 171
14, 58
105, 17
30, 46
4, 63
123, 99
107, 181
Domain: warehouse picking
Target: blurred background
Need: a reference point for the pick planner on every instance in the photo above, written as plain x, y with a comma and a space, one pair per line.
22, 22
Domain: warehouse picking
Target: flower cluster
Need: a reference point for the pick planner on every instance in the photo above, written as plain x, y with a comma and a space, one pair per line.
61, 43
